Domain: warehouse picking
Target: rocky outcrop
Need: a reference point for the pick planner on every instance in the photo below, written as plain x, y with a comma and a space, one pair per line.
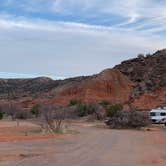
147, 72
151, 100
110, 85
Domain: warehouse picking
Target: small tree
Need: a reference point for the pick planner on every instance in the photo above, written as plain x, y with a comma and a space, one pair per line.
52, 118
75, 102
22, 114
112, 110
81, 110
80, 107
1, 115
11, 111
140, 56
104, 103
36, 110
96, 110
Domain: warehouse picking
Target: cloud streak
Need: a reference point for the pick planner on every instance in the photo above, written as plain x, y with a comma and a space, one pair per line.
34, 40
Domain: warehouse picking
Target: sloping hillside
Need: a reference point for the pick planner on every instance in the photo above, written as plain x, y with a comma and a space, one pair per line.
148, 73
110, 85
140, 82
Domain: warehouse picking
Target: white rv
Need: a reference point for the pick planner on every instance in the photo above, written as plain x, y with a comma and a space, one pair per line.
158, 115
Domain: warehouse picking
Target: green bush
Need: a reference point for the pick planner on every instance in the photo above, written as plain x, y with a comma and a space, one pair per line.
21, 114
36, 110
82, 110
112, 110
96, 110
85, 109
1, 115
104, 103
75, 102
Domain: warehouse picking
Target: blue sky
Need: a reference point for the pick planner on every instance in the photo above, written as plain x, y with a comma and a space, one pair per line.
66, 38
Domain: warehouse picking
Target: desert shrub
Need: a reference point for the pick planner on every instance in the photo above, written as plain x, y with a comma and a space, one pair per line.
140, 55
70, 112
148, 55
1, 115
112, 110
51, 118
15, 112
86, 109
22, 114
104, 103
96, 110
78, 108
75, 102
11, 111
129, 119
81, 110
35, 110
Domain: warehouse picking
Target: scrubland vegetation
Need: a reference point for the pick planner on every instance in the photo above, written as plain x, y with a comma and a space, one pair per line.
51, 118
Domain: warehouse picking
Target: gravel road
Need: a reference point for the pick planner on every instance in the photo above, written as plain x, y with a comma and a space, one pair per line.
93, 147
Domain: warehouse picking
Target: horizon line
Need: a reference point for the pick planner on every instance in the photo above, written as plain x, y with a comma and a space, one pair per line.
11, 75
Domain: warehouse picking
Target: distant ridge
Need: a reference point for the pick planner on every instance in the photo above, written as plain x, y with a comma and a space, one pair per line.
8, 75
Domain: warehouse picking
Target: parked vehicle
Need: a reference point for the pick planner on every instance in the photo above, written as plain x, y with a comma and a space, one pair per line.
108, 121
158, 115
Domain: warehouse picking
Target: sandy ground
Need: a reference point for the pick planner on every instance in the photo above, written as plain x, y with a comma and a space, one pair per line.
91, 147
9, 132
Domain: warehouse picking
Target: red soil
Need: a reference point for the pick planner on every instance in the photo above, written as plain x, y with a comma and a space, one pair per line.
10, 134
10, 157
16, 137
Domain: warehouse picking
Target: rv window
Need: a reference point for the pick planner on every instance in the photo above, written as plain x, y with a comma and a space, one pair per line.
162, 114
152, 114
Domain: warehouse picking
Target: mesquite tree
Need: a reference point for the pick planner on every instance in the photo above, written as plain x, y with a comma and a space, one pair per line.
52, 118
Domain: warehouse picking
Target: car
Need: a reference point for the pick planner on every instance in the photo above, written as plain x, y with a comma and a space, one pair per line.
108, 121
158, 115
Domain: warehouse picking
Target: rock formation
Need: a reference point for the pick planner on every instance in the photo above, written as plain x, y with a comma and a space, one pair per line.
148, 73
110, 85
140, 82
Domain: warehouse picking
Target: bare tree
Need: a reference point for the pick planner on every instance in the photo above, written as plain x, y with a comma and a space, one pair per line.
52, 118
10, 111
11, 108
96, 110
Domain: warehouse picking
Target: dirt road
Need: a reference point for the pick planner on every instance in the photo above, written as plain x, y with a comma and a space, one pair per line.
91, 147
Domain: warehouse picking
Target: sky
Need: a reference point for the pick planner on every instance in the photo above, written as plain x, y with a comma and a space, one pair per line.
67, 38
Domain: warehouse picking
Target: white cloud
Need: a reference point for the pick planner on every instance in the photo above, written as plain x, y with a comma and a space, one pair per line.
64, 49
130, 10
35, 45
